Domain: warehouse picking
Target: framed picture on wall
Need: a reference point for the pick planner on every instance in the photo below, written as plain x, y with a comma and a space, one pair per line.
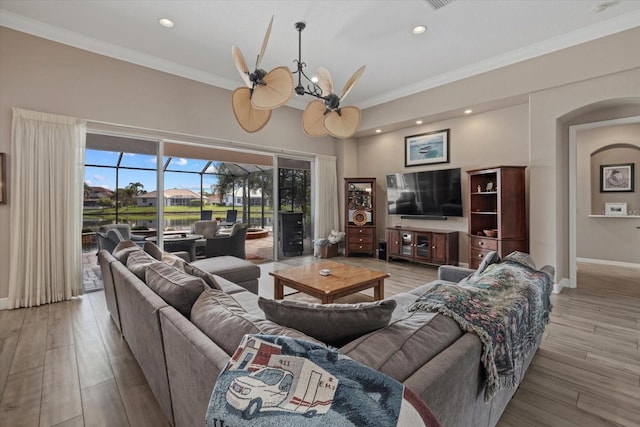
427, 148
616, 178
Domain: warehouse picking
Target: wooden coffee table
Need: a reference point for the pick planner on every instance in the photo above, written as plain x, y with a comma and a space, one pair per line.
344, 280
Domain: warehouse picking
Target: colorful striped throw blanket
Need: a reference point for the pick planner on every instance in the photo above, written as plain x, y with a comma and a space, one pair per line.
506, 306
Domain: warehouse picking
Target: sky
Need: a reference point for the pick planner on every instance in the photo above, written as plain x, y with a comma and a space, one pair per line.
106, 177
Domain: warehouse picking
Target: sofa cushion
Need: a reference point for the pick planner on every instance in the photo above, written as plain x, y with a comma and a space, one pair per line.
138, 261
123, 249
166, 257
405, 346
223, 320
175, 287
208, 278
334, 324
231, 268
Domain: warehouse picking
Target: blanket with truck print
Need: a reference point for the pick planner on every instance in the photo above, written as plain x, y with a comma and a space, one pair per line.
281, 381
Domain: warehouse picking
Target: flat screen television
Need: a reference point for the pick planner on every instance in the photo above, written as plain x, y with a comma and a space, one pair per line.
433, 194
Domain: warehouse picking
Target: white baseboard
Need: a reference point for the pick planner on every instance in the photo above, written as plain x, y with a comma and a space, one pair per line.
607, 262
4, 303
563, 283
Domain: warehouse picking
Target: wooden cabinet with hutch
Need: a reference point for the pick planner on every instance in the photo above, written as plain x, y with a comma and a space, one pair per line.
497, 204
423, 245
360, 216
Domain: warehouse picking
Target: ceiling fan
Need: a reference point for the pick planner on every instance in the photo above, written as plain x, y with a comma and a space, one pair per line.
326, 116
252, 104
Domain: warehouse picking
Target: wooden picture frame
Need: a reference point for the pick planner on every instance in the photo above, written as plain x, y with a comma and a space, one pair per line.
617, 178
427, 148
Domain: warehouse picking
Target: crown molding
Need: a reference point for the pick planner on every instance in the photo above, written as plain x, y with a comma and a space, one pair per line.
583, 35
57, 34
60, 35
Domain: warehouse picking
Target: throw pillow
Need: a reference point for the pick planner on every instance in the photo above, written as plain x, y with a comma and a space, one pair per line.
208, 278
166, 257
123, 249
521, 258
334, 324
175, 287
137, 263
153, 250
225, 322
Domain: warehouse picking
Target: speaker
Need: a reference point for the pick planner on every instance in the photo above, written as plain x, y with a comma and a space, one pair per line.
382, 250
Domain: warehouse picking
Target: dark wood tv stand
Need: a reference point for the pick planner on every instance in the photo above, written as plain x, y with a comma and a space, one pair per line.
423, 245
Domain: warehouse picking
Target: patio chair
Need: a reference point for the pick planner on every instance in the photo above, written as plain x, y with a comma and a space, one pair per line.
232, 244
208, 230
206, 215
231, 218
110, 235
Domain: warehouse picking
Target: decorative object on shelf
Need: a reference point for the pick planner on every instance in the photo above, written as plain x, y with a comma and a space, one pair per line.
615, 209
616, 178
490, 233
490, 186
3, 180
264, 91
479, 189
427, 148
359, 217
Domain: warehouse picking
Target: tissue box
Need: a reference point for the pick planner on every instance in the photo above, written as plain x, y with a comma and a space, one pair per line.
329, 251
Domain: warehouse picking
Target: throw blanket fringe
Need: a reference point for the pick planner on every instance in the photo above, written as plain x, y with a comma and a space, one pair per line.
506, 307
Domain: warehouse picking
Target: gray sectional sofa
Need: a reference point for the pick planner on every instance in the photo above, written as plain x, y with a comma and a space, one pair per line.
427, 352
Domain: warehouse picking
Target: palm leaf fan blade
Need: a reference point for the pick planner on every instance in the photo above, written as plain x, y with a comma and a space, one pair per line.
250, 119
342, 125
276, 90
313, 118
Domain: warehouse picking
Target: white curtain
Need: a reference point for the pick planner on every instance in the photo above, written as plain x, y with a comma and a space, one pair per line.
47, 173
325, 208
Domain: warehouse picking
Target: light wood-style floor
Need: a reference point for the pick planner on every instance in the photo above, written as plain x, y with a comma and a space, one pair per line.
65, 364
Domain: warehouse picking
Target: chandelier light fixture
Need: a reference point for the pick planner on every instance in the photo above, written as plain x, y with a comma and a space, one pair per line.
265, 91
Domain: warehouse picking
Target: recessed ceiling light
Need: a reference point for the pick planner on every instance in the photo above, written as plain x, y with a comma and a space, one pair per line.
378, 130
314, 79
418, 122
468, 111
165, 22
419, 29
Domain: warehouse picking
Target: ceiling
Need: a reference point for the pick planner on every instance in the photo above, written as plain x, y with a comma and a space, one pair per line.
463, 38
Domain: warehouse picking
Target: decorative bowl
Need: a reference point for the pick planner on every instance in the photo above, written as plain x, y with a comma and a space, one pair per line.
490, 233
325, 272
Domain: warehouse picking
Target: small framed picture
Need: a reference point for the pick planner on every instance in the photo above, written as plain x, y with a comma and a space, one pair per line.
614, 209
427, 148
616, 178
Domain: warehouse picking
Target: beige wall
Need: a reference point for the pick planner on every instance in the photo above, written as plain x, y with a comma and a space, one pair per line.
493, 138
41, 75
613, 239
46, 76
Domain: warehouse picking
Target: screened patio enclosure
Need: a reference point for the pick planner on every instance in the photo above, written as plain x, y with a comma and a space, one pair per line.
121, 181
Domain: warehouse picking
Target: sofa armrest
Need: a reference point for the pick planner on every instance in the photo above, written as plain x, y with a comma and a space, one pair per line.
452, 273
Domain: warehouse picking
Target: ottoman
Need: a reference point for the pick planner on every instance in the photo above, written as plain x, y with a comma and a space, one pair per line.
237, 270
